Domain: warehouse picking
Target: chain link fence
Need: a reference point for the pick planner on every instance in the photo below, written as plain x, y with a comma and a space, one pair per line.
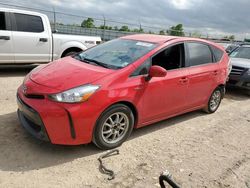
107, 29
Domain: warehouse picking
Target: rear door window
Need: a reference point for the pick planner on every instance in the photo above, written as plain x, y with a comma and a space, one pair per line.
199, 54
28, 23
2, 21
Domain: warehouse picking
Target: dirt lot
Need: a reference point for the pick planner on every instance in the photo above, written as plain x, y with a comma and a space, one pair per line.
199, 150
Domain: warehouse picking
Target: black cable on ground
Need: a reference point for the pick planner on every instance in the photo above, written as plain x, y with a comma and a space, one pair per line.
102, 168
166, 176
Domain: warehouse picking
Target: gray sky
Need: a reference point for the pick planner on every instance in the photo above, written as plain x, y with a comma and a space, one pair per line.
206, 16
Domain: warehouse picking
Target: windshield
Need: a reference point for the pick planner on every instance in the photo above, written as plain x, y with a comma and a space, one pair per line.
116, 54
241, 52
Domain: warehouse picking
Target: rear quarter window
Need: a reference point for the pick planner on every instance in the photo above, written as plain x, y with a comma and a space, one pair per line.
218, 54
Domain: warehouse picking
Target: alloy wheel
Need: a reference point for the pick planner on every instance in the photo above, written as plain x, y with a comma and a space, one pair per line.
115, 127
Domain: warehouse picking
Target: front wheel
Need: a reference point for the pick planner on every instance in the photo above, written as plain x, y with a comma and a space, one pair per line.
113, 127
214, 101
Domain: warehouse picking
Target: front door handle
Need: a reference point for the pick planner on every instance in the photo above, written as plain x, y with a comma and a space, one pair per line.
43, 40
139, 87
4, 37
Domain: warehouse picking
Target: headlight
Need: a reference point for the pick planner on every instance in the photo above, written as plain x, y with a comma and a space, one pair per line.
78, 94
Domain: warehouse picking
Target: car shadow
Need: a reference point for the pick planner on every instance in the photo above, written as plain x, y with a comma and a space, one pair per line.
21, 152
166, 123
236, 94
15, 70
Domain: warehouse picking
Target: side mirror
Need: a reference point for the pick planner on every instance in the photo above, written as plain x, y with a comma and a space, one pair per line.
157, 71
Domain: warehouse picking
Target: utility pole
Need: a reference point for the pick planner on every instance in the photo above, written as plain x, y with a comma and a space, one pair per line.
104, 27
140, 29
54, 13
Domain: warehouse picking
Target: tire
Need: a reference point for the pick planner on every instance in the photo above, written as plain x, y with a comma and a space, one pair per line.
113, 127
70, 53
214, 101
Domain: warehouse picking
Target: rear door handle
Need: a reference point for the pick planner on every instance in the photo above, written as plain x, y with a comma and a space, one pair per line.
43, 40
183, 80
215, 73
4, 37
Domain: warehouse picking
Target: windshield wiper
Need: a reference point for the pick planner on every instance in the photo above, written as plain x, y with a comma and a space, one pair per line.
95, 62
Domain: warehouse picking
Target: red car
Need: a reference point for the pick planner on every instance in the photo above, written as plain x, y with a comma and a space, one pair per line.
101, 94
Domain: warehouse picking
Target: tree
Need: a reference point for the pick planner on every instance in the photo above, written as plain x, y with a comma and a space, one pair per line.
88, 23
176, 30
105, 27
196, 34
246, 40
232, 37
124, 28
162, 32
138, 30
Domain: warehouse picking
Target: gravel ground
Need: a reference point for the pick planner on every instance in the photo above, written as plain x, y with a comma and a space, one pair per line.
200, 150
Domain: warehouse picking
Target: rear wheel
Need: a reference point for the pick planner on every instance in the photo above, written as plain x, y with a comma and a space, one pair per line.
70, 53
214, 101
113, 127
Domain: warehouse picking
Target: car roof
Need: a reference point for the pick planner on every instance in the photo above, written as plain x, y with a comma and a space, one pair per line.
21, 11
164, 38
150, 38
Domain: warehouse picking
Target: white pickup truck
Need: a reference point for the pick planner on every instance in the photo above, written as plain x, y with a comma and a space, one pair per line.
26, 37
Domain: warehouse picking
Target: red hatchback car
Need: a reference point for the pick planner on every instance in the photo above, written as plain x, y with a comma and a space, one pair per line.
101, 94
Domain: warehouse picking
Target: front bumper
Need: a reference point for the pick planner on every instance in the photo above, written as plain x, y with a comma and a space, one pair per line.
240, 83
31, 121
240, 80
59, 123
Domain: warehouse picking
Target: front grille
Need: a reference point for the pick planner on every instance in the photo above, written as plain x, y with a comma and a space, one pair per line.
30, 96
33, 125
237, 71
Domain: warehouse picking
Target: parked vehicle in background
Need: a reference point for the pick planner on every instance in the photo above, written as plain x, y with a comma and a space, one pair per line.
240, 74
26, 37
224, 44
232, 47
119, 85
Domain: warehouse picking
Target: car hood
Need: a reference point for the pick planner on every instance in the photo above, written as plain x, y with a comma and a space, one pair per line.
67, 73
240, 62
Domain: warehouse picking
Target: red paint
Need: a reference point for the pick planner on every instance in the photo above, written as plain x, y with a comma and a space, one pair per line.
175, 92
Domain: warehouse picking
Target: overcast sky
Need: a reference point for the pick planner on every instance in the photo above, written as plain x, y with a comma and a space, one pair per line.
206, 16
